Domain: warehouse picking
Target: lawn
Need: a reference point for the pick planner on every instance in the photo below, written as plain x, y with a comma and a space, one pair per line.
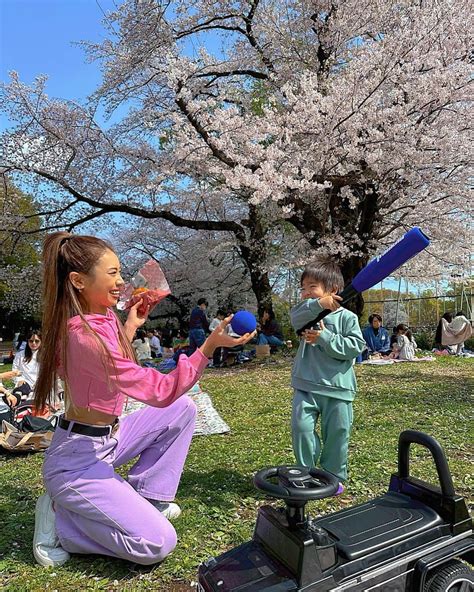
216, 491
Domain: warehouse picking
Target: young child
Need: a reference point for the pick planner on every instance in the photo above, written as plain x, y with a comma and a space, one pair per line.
95, 509
405, 346
323, 377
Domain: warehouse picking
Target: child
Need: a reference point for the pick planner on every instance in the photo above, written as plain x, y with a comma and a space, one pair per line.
95, 509
323, 375
405, 346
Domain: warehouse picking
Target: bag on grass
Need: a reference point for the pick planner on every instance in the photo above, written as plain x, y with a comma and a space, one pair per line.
12, 439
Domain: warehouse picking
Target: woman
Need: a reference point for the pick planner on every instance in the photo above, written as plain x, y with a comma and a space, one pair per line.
141, 345
270, 333
26, 363
95, 509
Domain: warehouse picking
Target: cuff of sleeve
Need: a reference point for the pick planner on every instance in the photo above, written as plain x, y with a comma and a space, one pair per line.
314, 306
198, 361
325, 337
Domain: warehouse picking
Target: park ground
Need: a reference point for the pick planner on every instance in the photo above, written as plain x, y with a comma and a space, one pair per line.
216, 492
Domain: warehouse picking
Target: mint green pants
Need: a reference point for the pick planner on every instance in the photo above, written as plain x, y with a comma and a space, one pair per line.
336, 420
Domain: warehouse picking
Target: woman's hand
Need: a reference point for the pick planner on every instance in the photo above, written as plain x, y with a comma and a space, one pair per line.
9, 375
11, 400
330, 301
220, 338
135, 320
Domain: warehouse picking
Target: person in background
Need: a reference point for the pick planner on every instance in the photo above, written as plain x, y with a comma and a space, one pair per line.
8, 399
405, 347
376, 337
218, 357
458, 325
448, 317
155, 344
198, 325
26, 363
167, 340
220, 315
270, 332
141, 345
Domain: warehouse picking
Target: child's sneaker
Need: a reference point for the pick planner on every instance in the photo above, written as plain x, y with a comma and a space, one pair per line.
340, 490
46, 547
170, 510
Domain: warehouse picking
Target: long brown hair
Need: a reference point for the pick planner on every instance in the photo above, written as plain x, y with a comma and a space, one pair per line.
64, 253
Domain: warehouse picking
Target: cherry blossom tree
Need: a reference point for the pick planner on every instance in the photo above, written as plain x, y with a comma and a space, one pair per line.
348, 120
196, 264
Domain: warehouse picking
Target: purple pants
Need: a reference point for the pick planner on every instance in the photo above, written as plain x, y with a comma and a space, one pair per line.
97, 511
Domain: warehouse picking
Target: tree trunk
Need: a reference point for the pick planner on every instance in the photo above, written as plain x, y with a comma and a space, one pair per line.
358, 222
254, 253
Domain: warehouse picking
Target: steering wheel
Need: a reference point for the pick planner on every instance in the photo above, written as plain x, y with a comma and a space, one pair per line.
296, 484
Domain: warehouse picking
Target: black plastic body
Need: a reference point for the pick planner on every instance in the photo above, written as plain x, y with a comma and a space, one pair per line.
388, 544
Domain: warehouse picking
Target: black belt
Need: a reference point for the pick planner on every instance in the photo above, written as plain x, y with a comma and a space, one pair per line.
86, 430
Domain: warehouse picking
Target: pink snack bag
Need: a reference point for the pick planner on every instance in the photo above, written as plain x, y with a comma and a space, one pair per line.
149, 284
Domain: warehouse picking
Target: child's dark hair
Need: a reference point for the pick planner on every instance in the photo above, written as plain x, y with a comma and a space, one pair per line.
220, 312
202, 301
402, 328
28, 352
141, 335
460, 314
326, 272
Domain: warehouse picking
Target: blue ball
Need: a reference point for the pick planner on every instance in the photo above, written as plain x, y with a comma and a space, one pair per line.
243, 322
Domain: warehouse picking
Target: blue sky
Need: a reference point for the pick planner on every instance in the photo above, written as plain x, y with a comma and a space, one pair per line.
36, 37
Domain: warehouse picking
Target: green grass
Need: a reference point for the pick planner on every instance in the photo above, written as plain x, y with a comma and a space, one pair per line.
216, 491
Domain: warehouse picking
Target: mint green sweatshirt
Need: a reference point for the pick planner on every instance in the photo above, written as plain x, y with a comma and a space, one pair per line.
326, 367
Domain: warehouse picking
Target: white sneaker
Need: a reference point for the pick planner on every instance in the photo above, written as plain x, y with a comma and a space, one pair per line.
46, 547
170, 510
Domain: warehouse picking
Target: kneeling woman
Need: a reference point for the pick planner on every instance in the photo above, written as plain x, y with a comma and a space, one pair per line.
88, 507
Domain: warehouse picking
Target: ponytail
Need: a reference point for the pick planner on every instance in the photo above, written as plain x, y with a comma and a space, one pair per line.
64, 253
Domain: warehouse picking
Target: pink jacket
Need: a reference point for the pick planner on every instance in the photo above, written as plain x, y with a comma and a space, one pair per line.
87, 379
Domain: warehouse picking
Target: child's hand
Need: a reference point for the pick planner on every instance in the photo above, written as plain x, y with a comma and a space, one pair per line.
312, 335
330, 302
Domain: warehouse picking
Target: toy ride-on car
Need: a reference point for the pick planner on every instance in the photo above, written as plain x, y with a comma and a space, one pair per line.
412, 538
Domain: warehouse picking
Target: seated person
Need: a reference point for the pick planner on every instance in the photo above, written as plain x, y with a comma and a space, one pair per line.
8, 400
227, 352
452, 332
460, 326
141, 345
218, 352
155, 344
376, 337
270, 332
406, 346
180, 345
181, 341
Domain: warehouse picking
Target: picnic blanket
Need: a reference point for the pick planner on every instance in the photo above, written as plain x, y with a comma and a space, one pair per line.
385, 362
208, 420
